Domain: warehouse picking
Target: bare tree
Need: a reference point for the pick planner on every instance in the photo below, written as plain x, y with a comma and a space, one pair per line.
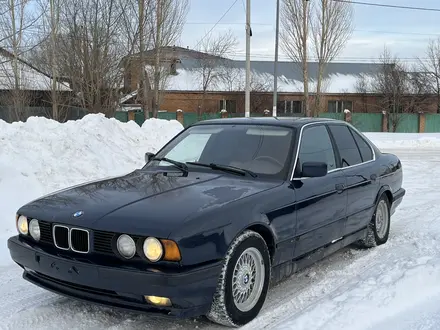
231, 78
331, 26
144, 86
401, 90
165, 24
361, 87
89, 49
15, 20
211, 59
55, 8
430, 67
260, 92
295, 25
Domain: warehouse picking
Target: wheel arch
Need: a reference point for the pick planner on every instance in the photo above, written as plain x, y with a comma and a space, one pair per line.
387, 191
266, 233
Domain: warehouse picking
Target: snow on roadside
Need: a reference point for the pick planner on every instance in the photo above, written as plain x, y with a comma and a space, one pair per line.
405, 140
41, 155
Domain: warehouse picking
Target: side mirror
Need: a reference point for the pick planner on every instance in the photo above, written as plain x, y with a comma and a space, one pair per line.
314, 169
148, 156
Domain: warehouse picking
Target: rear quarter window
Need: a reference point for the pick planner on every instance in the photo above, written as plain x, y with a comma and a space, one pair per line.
348, 150
364, 147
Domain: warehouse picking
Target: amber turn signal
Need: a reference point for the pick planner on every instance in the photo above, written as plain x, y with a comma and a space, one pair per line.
172, 252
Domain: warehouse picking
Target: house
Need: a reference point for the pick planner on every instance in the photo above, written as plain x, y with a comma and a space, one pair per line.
199, 82
23, 86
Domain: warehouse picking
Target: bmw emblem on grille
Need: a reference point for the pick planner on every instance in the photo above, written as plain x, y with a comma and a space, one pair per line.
78, 214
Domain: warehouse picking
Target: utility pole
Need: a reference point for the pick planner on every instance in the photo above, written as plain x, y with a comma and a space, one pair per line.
247, 100
275, 71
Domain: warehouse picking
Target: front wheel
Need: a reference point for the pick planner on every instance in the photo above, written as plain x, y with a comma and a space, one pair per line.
243, 282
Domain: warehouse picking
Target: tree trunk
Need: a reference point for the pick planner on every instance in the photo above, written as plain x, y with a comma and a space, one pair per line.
157, 59
143, 90
321, 61
305, 64
53, 33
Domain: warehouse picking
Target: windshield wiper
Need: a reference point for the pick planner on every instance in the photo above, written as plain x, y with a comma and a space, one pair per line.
179, 165
227, 168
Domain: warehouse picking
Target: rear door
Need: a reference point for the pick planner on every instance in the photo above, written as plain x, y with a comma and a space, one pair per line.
321, 201
356, 157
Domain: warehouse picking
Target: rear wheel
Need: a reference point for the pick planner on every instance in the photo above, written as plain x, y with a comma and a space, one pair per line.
243, 282
379, 226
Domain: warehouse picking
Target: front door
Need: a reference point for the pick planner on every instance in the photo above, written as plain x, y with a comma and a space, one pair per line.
321, 202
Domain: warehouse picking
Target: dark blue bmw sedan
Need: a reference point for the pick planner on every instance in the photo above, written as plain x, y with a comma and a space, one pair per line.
225, 209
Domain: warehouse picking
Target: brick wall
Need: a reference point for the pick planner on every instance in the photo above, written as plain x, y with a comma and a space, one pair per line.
190, 101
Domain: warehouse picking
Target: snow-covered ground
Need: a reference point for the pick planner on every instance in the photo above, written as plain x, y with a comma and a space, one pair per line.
395, 286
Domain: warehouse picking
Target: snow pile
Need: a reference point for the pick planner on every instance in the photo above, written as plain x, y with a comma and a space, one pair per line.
405, 140
42, 155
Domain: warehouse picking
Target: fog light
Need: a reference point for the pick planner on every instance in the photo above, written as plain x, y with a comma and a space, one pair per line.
158, 301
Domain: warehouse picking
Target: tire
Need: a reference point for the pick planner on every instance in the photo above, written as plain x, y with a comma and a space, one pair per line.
248, 248
379, 226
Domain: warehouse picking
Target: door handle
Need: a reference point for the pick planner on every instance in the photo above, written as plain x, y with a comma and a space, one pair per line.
339, 187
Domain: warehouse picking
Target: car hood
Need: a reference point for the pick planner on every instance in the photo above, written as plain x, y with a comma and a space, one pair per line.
145, 203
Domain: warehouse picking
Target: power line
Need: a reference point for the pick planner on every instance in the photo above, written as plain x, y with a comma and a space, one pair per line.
388, 6
356, 30
223, 16
352, 59
397, 32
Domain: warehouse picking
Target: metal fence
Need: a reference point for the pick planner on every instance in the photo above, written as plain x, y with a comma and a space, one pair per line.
71, 113
365, 122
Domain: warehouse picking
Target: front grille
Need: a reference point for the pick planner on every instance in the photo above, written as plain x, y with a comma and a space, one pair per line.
102, 242
79, 240
61, 237
46, 232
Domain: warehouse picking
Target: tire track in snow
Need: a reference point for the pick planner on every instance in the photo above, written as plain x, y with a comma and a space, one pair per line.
20, 295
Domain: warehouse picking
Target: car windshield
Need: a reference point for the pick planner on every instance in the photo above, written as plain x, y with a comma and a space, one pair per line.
257, 149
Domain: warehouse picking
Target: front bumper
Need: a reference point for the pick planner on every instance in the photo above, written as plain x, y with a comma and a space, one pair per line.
191, 291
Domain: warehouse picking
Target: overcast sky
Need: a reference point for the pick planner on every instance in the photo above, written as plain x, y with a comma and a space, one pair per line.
405, 32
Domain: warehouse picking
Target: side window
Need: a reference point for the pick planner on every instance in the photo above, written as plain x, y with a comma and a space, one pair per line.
316, 146
364, 148
347, 147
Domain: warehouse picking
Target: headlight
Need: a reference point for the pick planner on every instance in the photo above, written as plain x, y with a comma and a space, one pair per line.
153, 249
126, 246
34, 229
22, 225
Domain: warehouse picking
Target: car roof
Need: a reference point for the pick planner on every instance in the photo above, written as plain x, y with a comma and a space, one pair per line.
296, 122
